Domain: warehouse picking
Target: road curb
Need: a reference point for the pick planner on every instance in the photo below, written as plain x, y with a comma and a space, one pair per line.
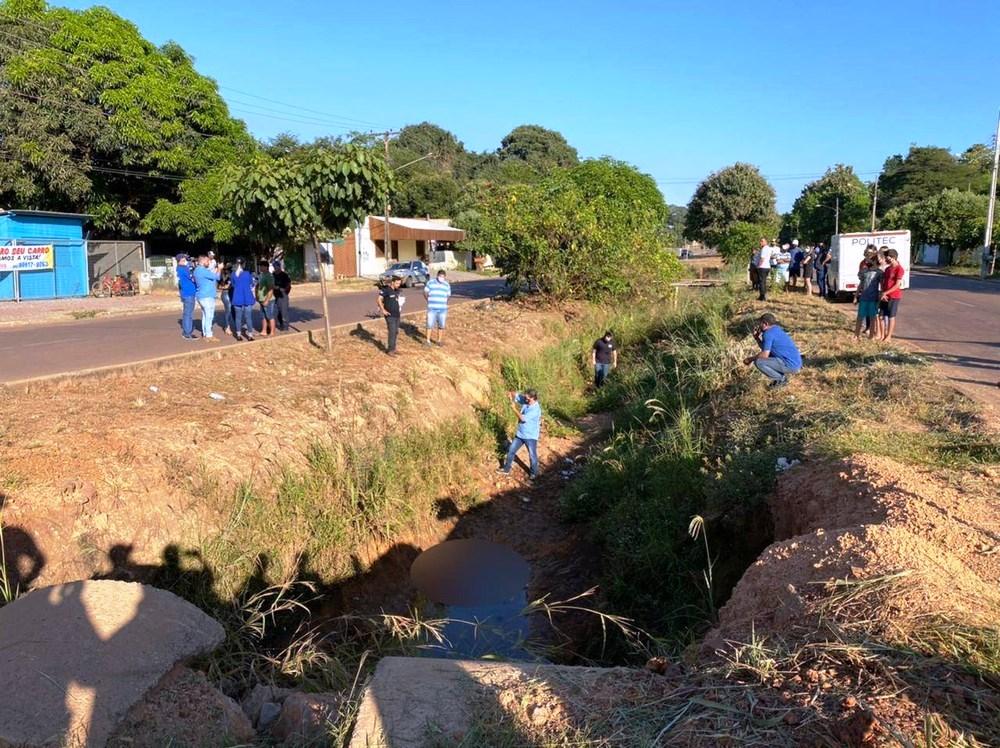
158, 362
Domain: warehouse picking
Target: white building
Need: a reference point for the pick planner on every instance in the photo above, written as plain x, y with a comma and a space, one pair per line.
429, 239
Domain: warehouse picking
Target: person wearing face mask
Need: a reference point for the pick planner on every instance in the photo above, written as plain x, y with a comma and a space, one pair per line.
604, 358
241, 282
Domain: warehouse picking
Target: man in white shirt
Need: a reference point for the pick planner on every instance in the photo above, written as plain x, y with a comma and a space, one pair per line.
763, 268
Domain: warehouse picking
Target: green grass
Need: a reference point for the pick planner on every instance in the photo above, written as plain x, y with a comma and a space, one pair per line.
699, 434
312, 520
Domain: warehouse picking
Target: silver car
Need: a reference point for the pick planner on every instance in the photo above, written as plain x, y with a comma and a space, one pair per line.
412, 272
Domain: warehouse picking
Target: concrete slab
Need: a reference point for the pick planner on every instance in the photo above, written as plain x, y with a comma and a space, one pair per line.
75, 657
409, 699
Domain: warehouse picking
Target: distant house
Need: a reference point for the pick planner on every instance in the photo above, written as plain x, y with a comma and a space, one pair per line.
362, 252
429, 239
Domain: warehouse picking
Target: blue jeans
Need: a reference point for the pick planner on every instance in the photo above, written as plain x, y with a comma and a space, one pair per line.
242, 315
515, 447
601, 372
187, 315
773, 368
821, 280
207, 304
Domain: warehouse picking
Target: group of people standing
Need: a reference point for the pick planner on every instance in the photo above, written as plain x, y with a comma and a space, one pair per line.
241, 289
880, 289
789, 263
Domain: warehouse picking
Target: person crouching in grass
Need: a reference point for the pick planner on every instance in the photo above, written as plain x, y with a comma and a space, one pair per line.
866, 297
779, 357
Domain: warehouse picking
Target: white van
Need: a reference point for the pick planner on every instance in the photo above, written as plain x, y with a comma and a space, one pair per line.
847, 251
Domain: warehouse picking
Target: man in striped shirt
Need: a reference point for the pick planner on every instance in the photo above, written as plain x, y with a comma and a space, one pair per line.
437, 292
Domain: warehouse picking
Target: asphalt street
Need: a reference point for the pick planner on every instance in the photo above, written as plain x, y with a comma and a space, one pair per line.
40, 350
956, 322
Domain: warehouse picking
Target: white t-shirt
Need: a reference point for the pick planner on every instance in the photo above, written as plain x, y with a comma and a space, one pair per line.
764, 260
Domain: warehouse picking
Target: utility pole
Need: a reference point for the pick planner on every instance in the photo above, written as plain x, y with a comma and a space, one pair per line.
385, 226
991, 210
875, 201
836, 217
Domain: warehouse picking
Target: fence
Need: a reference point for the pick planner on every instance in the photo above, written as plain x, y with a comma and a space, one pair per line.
112, 257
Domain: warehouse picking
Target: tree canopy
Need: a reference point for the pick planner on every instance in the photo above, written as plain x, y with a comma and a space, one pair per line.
540, 148
592, 231
813, 217
101, 120
954, 219
736, 194
927, 170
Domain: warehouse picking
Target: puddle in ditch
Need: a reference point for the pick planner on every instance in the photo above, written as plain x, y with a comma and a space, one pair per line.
481, 588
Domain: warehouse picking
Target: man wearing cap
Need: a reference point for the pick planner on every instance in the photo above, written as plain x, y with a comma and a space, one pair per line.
187, 289
206, 281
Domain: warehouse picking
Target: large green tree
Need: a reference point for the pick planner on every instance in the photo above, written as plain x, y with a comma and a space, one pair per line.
736, 194
99, 119
927, 170
954, 219
593, 231
541, 149
307, 195
814, 216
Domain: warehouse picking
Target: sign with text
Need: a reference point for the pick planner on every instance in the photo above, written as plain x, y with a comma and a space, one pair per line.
35, 257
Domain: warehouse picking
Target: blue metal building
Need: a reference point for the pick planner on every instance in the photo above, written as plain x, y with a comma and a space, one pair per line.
64, 231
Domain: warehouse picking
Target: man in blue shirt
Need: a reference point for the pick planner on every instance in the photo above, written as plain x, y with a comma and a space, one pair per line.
187, 290
206, 279
529, 426
778, 355
437, 292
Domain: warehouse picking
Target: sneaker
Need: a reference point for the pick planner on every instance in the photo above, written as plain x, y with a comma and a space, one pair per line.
188, 337
428, 343
501, 471
238, 337
250, 336
780, 383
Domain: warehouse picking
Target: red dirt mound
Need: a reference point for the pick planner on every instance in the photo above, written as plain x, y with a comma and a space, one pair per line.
957, 512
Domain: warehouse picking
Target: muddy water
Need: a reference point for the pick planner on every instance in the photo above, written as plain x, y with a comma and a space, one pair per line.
480, 588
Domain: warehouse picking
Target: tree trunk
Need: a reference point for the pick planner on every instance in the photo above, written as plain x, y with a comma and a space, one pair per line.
322, 291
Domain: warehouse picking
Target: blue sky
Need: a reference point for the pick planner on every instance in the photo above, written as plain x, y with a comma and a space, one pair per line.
677, 88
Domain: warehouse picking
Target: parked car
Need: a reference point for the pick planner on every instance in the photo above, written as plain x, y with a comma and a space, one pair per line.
412, 272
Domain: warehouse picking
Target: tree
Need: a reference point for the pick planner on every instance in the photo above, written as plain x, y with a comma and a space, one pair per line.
814, 213
741, 239
92, 107
426, 195
593, 231
735, 194
541, 149
954, 219
308, 194
927, 170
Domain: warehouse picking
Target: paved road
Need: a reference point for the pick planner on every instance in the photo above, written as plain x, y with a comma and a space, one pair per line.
956, 321
35, 351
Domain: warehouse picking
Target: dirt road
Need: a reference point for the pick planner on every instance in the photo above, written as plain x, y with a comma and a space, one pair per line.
35, 351
956, 322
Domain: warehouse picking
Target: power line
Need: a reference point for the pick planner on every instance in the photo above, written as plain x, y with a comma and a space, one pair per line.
305, 109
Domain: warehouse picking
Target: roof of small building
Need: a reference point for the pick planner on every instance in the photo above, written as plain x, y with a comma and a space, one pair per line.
43, 213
